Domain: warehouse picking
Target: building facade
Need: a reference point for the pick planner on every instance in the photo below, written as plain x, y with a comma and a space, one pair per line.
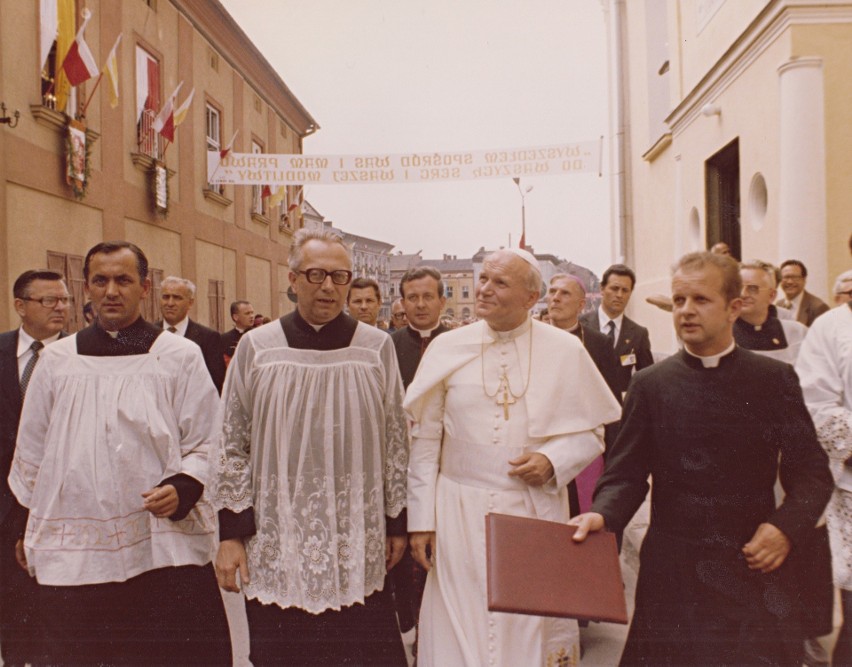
734, 127
227, 240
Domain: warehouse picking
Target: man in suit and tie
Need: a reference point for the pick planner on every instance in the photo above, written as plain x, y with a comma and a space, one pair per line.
804, 306
176, 298
566, 298
242, 313
631, 341
42, 302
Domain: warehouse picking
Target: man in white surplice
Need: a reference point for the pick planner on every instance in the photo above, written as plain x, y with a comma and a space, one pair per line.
506, 412
111, 462
311, 474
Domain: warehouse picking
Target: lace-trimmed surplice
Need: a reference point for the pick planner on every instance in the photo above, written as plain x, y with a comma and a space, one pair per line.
317, 443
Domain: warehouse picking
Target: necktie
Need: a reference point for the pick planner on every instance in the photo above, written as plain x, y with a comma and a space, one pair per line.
611, 332
28, 369
172, 329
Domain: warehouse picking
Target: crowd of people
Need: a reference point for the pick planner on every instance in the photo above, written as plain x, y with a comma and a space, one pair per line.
338, 474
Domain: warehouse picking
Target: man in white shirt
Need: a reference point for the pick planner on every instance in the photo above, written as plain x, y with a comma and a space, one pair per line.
177, 295
43, 304
630, 340
804, 306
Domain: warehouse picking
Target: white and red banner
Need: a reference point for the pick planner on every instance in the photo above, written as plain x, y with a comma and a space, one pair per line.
296, 169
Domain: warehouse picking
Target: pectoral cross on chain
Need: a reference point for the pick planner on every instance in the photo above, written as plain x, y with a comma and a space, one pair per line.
504, 395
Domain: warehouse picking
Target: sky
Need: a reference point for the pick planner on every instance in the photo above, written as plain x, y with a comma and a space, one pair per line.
397, 76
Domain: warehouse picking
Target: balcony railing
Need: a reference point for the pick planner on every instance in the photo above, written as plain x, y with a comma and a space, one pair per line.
149, 139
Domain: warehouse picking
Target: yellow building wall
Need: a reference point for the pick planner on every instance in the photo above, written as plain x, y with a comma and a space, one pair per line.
706, 29
161, 246
158, 32
284, 304
258, 284
213, 262
34, 216
215, 86
833, 43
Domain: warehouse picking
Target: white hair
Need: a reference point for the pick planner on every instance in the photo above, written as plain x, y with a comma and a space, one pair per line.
180, 282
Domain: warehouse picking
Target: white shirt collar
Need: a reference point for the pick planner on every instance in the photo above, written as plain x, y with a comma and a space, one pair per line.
180, 326
25, 341
603, 319
796, 303
712, 360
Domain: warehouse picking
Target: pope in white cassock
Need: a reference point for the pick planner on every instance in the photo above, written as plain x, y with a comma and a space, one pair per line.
506, 412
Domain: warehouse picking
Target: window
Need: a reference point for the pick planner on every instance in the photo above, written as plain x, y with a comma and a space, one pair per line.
214, 142
54, 87
71, 266
449, 291
216, 304
151, 304
147, 103
465, 292
258, 203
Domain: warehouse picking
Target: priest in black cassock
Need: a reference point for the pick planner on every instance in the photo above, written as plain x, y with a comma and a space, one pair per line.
709, 425
310, 476
423, 301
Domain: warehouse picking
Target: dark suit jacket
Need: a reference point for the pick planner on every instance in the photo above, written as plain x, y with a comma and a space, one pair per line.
10, 415
228, 341
812, 307
603, 354
632, 339
210, 342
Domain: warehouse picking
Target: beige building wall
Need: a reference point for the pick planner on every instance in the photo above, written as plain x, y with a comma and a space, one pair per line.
731, 60
258, 284
213, 262
43, 223
202, 238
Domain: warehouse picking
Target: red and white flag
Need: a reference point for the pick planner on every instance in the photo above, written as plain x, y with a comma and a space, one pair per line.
79, 64
224, 152
165, 121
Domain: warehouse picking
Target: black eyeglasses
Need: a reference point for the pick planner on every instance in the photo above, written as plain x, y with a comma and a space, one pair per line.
399, 316
317, 276
50, 301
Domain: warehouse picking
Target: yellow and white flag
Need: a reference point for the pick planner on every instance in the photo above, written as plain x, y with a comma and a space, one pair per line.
111, 69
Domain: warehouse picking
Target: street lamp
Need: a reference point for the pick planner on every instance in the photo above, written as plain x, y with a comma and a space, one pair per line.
523, 192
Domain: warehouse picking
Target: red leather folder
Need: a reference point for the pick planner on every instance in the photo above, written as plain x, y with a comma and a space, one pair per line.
534, 567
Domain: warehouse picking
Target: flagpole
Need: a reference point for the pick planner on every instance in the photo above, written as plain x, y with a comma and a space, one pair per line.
91, 95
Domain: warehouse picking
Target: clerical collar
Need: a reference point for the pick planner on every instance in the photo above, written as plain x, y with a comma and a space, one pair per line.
25, 341
94, 341
769, 335
423, 333
512, 333
711, 360
332, 335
